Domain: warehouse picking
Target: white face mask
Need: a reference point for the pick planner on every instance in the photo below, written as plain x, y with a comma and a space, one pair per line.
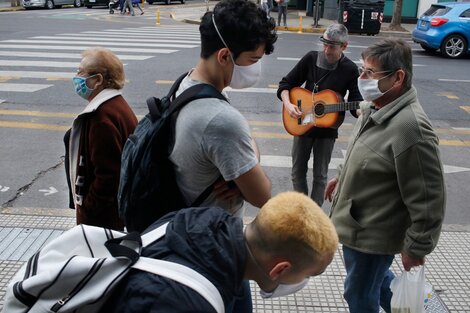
369, 88
284, 289
243, 76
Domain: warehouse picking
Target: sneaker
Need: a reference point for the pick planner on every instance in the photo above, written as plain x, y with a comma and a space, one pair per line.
142, 13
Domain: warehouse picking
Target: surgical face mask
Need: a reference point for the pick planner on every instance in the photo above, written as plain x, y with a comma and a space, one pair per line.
284, 289
243, 76
81, 88
369, 88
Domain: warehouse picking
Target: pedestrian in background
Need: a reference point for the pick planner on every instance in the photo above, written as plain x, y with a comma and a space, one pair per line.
390, 191
265, 6
137, 4
128, 5
282, 11
97, 138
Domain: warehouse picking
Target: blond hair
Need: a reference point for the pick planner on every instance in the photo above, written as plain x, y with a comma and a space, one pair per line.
102, 61
294, 217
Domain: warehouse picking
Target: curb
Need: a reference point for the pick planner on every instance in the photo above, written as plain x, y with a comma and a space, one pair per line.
312, 30
11, 9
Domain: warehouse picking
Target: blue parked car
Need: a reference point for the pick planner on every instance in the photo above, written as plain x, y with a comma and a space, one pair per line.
445, 26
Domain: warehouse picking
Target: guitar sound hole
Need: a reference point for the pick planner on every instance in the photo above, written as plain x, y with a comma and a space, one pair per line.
319, 109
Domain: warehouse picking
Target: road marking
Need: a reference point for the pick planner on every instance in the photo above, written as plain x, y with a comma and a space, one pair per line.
31, 74
455, 143
1, 100
288, 59
120, 39
48, 192
22, 87
454, 80
228, 89
39, 63
81, 48
149, 32
65, 55
466, 108
90, 42
253, 90
33, 126
265, 123
448, 95
286, 162
38, 113
135, 35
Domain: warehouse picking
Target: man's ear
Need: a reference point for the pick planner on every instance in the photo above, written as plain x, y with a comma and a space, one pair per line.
400, 77
223, 56
279, 269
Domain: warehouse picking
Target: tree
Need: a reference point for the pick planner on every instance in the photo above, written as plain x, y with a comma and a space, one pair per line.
395, 24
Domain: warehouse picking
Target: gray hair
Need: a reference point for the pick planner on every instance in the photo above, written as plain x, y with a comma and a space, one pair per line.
336, 32
392, 54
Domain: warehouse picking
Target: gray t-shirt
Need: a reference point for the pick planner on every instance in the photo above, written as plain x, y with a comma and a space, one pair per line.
212, 139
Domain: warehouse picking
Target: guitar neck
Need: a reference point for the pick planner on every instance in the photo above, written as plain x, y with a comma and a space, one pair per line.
344, 106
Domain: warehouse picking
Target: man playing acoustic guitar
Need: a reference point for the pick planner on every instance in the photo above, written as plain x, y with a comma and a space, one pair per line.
320, 71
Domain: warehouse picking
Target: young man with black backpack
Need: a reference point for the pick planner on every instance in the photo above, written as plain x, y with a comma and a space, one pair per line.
194, 149
212, 138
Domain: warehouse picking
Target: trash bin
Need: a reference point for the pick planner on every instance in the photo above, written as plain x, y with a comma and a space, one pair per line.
363, 16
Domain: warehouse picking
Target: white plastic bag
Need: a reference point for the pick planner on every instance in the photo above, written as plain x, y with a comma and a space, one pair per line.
410, 292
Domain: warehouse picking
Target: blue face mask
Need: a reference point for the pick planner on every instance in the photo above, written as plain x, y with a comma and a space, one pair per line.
80, 86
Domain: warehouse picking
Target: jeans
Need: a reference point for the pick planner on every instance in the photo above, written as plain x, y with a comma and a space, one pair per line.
128, 4
243, 304
367, 284
282, 11
302, 148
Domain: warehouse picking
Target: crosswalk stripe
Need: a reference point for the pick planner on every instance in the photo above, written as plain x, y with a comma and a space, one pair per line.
39, 63
81, 48
142, 43
119, 35
286, 162
126, 40
149, 32
84, 42
22, 87
137, 35
52, 55
32, 74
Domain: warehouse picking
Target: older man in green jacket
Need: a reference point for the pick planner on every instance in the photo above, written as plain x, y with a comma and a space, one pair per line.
390, 193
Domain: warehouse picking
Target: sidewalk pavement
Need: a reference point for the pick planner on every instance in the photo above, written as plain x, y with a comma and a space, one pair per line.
24, 230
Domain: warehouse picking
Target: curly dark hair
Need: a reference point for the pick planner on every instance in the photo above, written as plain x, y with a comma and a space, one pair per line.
243, 26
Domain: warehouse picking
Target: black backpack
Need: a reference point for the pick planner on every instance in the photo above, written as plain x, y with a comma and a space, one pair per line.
147, 185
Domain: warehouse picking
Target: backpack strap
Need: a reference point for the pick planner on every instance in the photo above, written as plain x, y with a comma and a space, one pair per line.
152, 102
154, 235
186, 276
195, 92
199, 91
177, 272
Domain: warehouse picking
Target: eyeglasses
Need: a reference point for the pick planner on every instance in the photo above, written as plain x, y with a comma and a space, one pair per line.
369, 73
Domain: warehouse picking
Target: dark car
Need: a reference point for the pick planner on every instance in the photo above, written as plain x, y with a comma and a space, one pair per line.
446, 27
96, 3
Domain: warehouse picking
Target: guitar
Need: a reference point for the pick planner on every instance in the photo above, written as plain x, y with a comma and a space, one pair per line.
319, 109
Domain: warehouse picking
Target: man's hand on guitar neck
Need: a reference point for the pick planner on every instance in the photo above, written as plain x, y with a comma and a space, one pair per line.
292, 110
